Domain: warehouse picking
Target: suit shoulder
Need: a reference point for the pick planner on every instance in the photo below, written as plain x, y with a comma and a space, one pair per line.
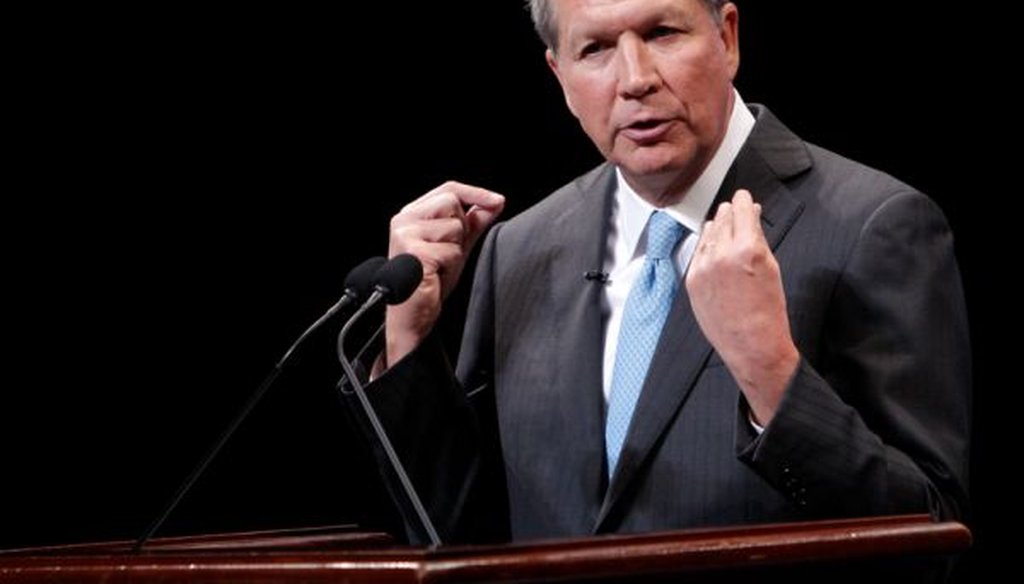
846, 204
850, 189
844, 190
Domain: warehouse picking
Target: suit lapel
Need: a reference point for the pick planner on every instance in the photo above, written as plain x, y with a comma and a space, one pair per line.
578, 238
771, 155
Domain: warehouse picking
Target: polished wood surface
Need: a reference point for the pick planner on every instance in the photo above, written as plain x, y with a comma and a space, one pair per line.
340, 537
872, 546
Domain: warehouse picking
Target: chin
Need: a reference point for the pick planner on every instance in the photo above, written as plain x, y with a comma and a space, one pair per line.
652, 166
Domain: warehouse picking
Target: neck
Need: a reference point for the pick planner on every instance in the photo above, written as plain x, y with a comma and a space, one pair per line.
662, 189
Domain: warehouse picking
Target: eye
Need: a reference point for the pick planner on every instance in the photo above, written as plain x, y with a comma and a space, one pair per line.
590, 49
659, 32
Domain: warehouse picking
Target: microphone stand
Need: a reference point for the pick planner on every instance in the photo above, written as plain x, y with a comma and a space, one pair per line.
256, 397
378, 429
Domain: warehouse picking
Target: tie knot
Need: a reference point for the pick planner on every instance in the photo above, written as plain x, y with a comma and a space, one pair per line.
663, 233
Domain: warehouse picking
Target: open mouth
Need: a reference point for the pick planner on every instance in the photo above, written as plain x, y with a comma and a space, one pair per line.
646, 125
646, 131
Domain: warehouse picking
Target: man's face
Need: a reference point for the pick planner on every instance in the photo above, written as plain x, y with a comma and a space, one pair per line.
649, 80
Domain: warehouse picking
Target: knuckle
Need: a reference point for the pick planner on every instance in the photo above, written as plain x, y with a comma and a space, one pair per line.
450, 185
404, 232
448, 199
749, 254
759, 254
458, 231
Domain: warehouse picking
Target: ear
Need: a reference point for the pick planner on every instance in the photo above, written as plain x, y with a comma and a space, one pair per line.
552, 60
730, 33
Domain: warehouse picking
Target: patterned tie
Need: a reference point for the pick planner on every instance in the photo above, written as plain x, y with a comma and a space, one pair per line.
646, 309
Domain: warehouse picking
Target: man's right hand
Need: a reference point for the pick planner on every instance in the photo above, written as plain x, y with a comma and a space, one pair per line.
440, 228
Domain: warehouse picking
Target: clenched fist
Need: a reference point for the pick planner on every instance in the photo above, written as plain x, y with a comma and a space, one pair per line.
440, 228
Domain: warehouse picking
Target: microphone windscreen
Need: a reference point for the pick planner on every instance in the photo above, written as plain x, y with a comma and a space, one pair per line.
399, 277
360, 280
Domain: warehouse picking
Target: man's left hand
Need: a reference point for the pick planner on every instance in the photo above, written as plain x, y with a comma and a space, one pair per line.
736, 292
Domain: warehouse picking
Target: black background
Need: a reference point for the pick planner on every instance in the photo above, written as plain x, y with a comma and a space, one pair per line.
188, 188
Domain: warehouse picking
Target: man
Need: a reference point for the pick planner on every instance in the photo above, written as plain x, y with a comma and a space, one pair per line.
813, 361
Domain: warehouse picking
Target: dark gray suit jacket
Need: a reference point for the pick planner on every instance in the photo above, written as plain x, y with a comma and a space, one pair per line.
876, 420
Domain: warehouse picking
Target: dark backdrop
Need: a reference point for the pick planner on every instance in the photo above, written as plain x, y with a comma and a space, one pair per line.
189, 187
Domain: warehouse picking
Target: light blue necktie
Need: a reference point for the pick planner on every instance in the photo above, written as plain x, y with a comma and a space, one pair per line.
647, 307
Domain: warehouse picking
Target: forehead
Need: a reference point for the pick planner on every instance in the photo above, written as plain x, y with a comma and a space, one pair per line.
583, 17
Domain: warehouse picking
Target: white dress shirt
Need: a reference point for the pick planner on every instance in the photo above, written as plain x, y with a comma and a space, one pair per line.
626, 239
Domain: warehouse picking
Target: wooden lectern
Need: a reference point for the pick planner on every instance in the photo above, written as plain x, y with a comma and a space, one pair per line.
907, 548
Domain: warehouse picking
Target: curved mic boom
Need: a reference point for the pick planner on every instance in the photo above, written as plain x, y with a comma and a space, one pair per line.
395, 282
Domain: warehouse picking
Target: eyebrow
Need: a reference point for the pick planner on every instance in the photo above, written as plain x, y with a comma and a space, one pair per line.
590, 30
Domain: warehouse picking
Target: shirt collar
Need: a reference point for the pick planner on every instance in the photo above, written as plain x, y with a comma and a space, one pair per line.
692, 208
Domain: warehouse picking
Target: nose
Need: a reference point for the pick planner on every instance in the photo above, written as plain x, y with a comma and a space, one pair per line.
638, 74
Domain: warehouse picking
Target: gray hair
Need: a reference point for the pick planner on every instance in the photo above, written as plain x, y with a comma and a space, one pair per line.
547, 29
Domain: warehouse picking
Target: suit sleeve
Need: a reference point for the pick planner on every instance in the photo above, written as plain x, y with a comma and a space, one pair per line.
446, 436
880, 422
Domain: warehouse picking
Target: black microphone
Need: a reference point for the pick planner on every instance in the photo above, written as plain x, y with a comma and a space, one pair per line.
597, 276
396, 281
393, 281
358, 284
361, 279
